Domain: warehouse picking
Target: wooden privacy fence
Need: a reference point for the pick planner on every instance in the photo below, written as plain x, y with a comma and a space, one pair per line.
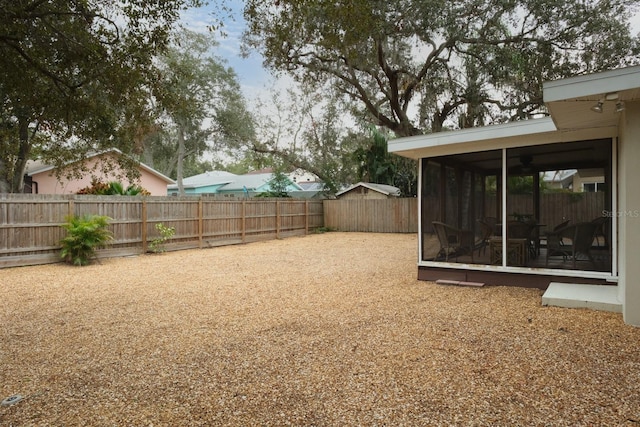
30, 229
557, 207
397, 215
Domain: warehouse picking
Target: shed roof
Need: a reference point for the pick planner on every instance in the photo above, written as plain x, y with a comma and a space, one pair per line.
387, 190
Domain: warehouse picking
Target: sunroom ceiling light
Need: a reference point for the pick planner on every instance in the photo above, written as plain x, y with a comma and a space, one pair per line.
598, 107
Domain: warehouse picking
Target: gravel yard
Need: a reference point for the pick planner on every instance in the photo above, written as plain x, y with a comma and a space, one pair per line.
324, 330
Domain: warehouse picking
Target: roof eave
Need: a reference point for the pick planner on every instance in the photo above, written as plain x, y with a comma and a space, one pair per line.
591, 84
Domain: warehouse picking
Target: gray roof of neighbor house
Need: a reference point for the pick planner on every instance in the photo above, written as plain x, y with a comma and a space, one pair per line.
387, 190
206, 179
37, 166
558, 176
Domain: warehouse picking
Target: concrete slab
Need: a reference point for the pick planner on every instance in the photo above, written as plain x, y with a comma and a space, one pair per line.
458, 283
576, 295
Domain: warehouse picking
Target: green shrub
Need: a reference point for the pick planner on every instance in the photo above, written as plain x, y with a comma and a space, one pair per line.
157, 244
84, 235
113, 188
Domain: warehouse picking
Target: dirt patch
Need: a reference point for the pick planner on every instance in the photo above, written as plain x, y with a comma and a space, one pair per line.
324, 330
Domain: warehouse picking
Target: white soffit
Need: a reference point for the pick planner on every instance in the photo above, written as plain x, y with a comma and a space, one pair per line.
592, 86
492, 137
570, 100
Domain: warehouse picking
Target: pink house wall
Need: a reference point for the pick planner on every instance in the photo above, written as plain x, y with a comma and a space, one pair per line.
47, 182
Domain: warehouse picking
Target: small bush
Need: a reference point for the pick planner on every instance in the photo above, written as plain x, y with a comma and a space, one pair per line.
84, 235
157, 245
113, 188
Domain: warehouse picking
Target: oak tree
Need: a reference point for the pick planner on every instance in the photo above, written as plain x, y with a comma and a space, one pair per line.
73, 75
417, 66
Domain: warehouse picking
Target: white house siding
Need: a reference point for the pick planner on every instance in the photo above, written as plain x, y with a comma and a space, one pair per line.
629, 212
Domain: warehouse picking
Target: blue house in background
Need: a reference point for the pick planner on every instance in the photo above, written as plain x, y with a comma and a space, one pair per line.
252, 184
229, 184
205, 183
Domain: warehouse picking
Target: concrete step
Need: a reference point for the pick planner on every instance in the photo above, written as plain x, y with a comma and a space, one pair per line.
576, 295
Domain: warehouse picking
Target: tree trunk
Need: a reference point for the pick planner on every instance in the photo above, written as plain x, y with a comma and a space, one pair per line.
17, 183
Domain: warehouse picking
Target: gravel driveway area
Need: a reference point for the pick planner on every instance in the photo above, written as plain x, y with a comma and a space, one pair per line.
324, 330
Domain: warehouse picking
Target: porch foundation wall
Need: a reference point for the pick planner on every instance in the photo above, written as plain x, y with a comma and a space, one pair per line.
496, 278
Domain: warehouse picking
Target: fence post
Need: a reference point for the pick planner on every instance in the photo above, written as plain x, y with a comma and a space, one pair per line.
306, 217
244, 220
144, 227
72, 207
277, 219
200, 226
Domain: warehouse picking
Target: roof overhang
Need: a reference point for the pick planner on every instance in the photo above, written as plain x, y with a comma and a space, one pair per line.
509, 135
569, 102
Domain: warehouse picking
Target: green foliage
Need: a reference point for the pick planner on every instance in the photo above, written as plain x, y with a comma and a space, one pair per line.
199, 100
113, 188
76, 71
278, 184
157, 245
478, 61
520, 184
84, 235
377, 165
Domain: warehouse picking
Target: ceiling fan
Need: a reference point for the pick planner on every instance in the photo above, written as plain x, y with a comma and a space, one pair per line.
525, 167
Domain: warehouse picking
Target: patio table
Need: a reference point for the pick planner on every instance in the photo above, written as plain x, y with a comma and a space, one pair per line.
517, 251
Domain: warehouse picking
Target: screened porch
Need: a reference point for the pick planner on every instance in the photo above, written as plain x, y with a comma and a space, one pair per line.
543, 206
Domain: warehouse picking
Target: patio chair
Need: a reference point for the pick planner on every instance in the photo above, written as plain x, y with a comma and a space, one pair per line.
493, 222
453, 241
581, 235
600, 223
555, 229
583, 241
486, 231
554, 242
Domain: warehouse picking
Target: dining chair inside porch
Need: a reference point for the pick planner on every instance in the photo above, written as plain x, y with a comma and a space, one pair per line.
486, 231
601, 231
572, 242
453, 241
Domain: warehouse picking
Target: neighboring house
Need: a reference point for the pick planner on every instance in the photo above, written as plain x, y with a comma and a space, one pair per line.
300, 176
41, 178
368, 190
252, 184
228, 184
594, 124
588, 180
559, 179
204, 183
580, 180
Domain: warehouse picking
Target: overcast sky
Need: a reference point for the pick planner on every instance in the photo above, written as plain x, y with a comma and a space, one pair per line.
251, 74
